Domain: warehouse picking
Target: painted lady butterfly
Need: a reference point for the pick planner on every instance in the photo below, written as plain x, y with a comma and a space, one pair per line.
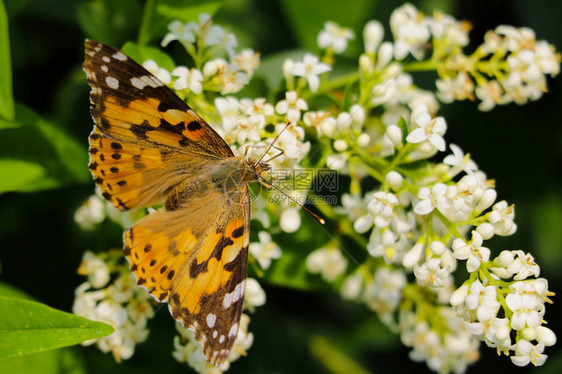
148, 145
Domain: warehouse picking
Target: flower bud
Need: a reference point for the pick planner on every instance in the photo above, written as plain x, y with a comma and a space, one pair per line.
412, 257
488, 198
363, 140
394, 179
529, 333
486, 230
366, 65
372, 36
394, 133
458, 297
385, 55
290, 220
504, 259
357, 115
437, 247
343, 122
340, 145
545, 335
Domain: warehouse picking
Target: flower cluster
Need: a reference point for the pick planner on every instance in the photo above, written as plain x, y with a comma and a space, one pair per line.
188, 350
420, 213
120, 303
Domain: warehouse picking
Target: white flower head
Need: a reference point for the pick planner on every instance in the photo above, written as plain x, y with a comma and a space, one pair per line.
381, 208
459, 161
335, 37
291, 106
427, 128
162, 74
265, 250
472, 251
329, 262
410, 31
310, 68
188, 79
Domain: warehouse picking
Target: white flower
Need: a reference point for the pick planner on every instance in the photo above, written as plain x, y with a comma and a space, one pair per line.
483, 299
383, 293
265, 250
430, 129
335, 37
181, 32
95, 268
355, 208
162, 74
431, 273
430, 198
385, 243
254, 295
310, 68
526, 353
448, 29
459, 161
90, 213
323, 122
471, 251
524, 307
410, 32
188, 79
328, 262
459, 88
502, 217
381, 207
247, 61
291, 106
490, 93
523, 266
337, 161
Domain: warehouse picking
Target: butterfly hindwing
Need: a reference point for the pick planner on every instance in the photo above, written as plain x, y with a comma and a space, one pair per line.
130, 104
208, 295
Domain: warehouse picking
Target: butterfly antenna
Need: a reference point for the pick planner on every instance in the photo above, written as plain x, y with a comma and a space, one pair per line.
272, 143
267, 184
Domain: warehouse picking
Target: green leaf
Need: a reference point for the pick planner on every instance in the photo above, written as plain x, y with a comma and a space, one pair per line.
16, 175
308, 17
23, 116
7, 110
334, 359
39, 142
111, 22
167, 11
8, 290
403, 125
51, 362
142, 53
28, 327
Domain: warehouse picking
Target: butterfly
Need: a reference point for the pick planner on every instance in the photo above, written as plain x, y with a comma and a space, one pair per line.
149, 146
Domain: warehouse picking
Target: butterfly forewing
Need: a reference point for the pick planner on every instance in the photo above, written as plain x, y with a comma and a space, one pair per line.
130, 104
148, 145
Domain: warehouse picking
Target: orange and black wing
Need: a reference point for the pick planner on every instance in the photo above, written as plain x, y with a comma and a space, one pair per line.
146, 139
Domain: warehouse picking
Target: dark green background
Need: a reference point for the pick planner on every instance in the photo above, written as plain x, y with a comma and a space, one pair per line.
41, 246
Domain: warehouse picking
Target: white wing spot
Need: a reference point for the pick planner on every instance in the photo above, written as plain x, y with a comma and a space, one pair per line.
233, 330
211, 318
106, 59
104, 68
215, 333
112, 82
227, 301
221, 339
120, 56
144, 81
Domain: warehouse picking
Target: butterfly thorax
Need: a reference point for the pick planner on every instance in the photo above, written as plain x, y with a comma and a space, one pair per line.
229, 176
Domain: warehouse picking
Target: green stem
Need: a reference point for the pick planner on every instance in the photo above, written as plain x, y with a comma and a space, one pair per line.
428, 65
340, 81
144, 35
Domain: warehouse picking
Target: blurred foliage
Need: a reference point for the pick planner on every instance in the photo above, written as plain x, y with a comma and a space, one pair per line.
43, 149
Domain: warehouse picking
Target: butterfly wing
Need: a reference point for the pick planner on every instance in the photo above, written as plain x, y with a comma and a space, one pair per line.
195, 258
146, 139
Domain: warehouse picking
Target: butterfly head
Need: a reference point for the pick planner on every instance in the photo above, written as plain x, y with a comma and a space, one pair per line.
255, 167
